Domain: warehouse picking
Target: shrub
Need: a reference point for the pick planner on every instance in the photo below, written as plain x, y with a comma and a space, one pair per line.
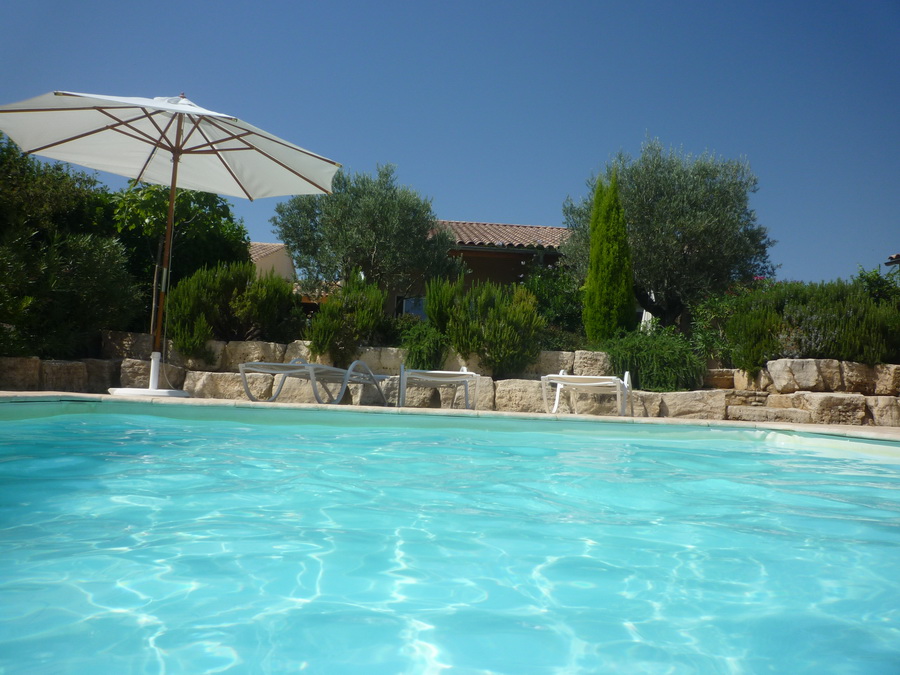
559, 301
442, 299
833, 320
57, 295
426, 347
345, 320
659, 359
229, 302
499, 324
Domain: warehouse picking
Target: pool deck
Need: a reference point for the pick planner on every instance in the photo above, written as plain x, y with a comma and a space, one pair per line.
889, 434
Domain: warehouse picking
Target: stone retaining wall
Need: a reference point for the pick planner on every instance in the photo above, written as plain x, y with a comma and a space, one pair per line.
803, 391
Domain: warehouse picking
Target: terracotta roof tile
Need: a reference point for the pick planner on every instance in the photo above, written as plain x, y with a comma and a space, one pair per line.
259, 251
497, 234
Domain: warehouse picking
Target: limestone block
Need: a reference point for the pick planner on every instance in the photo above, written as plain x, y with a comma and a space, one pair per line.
591, 363
745, 397
101, 375
646, 404
454, 397
20, 373
790, 375
707, 404
834, 408
371, 356
883, 411
63, 376
236, 353
887, 380
121, 345
391, 358
857, 377
135, 373
762, 381
785, 401
719, 378
586, 403
216, 348
748, 413
298, 349
416, 397
365, 394
550, 363
201, 384
518, 396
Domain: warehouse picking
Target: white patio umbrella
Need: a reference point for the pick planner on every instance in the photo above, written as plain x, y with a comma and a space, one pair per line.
167, 141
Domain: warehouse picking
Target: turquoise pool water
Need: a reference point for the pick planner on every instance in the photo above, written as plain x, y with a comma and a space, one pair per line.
340, 542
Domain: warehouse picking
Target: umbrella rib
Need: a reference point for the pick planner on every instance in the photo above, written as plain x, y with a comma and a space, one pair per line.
156, 146
224, 163
135, 133
274, 159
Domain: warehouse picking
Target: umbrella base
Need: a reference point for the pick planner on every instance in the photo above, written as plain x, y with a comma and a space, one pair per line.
136, 391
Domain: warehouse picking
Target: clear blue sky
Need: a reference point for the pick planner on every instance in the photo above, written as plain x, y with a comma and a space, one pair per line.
498, 110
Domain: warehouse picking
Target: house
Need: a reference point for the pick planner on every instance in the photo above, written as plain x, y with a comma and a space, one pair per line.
493, 252
272, 257
499, 252
893, 259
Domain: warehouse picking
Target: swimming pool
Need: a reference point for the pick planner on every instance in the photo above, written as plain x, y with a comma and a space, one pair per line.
207, 540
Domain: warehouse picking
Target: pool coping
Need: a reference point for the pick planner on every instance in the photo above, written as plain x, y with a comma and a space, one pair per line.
889, 434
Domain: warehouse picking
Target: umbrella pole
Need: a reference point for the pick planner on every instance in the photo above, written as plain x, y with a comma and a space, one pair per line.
156, 356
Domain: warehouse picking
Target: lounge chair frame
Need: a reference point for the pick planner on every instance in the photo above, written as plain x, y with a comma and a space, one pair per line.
599, 384
438, 378
318, 376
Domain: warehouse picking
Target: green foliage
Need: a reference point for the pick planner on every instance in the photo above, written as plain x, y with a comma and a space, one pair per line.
346, 319
659, 359
57, 294
709, 317
62, 275
442, 297
206, 233
426, 347
880, 287
371, 224
228, 302
40, 200
609, 305
690, 227
559, 301
833, 320
500, 324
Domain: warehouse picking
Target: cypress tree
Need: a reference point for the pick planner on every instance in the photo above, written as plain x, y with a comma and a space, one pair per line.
609, 303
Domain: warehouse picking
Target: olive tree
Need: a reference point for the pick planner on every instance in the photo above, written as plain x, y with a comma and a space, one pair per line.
370, 224
690, 227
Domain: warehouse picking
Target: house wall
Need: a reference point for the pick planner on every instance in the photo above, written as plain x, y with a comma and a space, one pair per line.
279, 261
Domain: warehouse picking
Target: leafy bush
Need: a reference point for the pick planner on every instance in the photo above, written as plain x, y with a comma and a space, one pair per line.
659, 359
229, 302
57, 294
559, 300
709, 318
848, 321
442, 299
345, 320
500, 324
426, 347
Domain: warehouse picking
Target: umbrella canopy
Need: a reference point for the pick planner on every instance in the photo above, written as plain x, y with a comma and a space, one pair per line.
168, 141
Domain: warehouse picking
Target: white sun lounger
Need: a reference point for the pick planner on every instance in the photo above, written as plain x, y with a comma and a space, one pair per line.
316, 374
438, 378
599, 384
